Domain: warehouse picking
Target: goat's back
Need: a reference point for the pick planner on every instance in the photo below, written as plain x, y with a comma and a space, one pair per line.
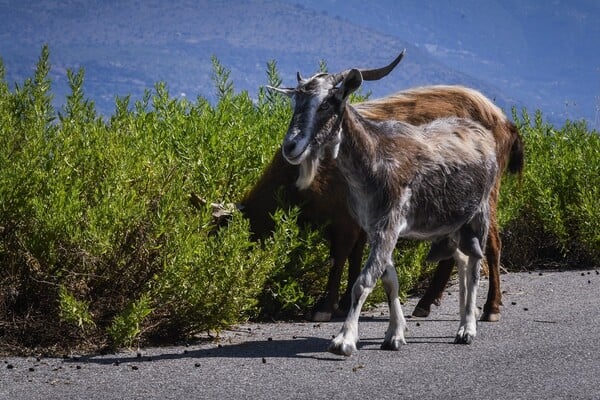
422, 105
449, 173
459, 140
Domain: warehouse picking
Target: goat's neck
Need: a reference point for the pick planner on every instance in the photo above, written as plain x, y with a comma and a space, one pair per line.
261, 201
359, 161
358, 145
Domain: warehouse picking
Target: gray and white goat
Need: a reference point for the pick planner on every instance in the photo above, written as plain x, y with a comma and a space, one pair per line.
430, 182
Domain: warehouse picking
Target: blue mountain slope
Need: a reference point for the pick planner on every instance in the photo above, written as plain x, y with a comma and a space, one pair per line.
546, 53
127, 46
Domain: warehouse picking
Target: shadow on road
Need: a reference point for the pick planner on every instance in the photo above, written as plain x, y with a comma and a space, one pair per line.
298, 347
301, 347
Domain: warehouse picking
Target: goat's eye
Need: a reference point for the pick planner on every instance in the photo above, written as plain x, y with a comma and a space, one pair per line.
324, 106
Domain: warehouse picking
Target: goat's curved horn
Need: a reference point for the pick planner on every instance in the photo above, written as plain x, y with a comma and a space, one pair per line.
371, 74
298, 76
376, 74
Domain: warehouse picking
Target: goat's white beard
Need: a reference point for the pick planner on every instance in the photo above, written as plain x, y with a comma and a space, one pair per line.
310, 165
335, 147
308, 171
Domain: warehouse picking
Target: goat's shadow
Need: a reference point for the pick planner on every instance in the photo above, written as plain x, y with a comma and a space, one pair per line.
299, 347
307, 347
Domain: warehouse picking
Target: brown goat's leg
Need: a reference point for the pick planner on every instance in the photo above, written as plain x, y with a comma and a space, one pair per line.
323, 310
435, 290
354, 265
491, 309
342, 242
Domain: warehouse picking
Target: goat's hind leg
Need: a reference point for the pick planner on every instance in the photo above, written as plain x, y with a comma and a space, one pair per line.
491, 308
468, 275
435, 290
394, 336
468, 258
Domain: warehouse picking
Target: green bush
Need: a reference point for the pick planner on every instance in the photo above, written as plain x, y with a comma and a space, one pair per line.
552, 213
99, 238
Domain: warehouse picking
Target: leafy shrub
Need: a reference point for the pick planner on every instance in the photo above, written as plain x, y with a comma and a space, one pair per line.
73, 310
98, 233
293, 287
553, 213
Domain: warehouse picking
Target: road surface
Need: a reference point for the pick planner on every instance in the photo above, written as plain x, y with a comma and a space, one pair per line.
546, 346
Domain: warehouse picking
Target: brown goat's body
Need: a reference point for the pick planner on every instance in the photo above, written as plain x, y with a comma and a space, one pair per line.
325, 200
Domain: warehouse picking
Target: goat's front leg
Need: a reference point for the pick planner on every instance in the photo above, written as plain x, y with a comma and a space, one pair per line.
468, 275
394, 337
379, 259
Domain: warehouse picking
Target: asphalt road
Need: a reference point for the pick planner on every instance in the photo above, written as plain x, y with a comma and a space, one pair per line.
546, 346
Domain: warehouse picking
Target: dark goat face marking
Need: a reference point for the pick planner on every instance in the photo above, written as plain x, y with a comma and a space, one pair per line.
316, 110
318, 105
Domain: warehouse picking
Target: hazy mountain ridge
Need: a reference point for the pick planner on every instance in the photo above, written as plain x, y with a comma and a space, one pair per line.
545, 53
127, 46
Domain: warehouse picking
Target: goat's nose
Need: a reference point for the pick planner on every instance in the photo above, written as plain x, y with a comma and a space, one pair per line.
289, 147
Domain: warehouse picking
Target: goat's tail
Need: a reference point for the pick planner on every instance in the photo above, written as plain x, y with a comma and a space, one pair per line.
516, 158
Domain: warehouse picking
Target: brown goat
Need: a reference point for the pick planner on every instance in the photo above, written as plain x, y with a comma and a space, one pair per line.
324, 201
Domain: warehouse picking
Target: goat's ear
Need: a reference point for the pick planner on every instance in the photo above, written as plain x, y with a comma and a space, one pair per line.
289, 92
351, 82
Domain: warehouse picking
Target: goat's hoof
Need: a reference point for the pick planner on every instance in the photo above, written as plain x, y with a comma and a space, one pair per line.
393, 345
464, 339
420, 312
464, 336
488, 316
342, 349
322, 311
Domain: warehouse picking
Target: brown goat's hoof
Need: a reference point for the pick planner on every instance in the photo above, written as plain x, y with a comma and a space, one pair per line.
340, 312
490, 316
322, 311
420, 312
